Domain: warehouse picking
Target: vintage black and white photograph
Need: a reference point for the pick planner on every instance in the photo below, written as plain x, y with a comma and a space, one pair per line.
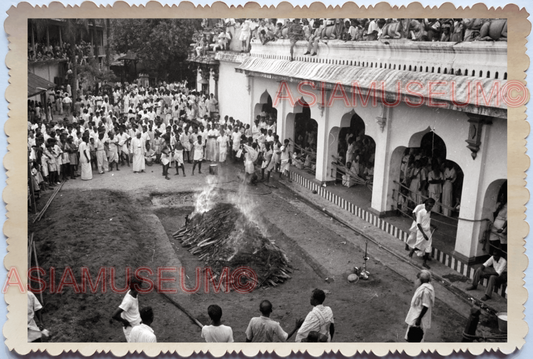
268, 179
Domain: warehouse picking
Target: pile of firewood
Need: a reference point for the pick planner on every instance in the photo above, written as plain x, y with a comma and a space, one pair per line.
224, 237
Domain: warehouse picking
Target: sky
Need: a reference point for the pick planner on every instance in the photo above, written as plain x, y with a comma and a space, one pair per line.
525, 353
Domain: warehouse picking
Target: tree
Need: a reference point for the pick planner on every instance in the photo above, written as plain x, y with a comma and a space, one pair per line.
74, 29
36, 26
161, 45
107, 46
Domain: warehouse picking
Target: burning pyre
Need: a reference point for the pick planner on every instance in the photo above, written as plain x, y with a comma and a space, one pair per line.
228, 235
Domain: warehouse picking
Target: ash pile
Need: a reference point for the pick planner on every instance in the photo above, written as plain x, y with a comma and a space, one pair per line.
224, 237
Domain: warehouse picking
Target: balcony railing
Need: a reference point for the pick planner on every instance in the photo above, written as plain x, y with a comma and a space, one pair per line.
475, 59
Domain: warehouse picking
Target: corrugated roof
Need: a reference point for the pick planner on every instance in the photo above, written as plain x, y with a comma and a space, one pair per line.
130, 55
37, 84
461, 89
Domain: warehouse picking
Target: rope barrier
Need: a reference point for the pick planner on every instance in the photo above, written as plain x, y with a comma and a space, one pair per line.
442, 205
348, 171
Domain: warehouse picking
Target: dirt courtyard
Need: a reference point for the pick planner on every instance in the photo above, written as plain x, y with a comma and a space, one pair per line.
120, 220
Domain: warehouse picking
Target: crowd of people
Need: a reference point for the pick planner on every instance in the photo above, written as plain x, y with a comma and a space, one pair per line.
59, 51
169, 125
423, 176
42, 52
357, 152
318, 325
217, 34
58, 102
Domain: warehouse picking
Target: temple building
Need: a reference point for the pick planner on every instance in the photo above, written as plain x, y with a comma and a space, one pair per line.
398, 98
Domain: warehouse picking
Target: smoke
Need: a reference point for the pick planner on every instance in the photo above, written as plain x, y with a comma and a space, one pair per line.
248, 207
207, 199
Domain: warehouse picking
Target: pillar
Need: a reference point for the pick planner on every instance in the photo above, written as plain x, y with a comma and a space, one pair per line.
322, 159
33, 39
215, 78
332, 150
251, 92
206, 74
282, 116
382, 177
467, 245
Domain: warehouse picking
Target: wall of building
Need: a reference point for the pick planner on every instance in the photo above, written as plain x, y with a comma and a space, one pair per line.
46, 70
491, 167
233, 96
405, 126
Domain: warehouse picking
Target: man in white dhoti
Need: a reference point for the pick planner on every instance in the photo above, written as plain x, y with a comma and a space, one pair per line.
419, 316
420, 237
100, 153
236, 142
138, 150
250, 156
320, 319
285, 160
123, 141
113, 151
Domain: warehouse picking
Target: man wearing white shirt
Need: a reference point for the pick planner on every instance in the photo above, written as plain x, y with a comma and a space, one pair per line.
216, 332
67, 102
495, 269
97, 119
143, 333
320, 319
123, 146
34, 312
128, 311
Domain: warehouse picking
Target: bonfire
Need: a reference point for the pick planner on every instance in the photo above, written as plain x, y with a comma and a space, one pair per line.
224, 235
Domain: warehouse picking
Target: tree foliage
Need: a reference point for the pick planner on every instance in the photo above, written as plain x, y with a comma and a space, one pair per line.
161, 45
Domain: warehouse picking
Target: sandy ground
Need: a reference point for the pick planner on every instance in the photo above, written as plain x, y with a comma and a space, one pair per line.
121, 219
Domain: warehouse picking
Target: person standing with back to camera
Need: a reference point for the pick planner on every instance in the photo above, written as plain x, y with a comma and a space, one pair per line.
419, 316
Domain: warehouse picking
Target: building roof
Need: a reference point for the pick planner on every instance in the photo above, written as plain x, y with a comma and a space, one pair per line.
130, 55
461, 93
37, 85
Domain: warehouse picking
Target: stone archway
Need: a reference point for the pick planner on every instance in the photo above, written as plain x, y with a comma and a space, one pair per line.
416, 138
353, 130
426, 152
496, 192
397, 198
265, 106
290, 121
302, 130
305, 137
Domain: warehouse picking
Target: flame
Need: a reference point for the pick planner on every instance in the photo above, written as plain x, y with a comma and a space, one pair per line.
205, 200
